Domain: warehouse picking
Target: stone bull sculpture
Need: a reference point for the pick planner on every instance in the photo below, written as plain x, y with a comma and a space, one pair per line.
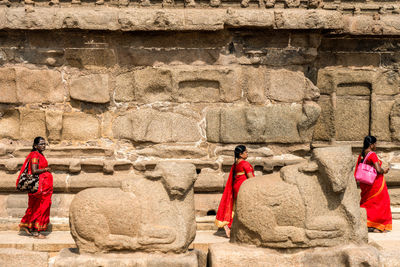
154, 213
315, 203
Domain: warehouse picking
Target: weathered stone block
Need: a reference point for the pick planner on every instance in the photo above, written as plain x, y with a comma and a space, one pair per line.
255, 84
43, 56
3, 206
213, 127
167, 151
387, 83
324, 129
70, 259
17, 257
148, 125
356, 111
332, 78
39, 86
106, 125
125, 87
80, 126
394, 194
9, 124
395, 120
358, 81
313, 19
289, 86
7, 182
33, 123
380, 125
207, 85
206, 204
8, 86
152, 84
54, 124
90, 88
210, 180
90, 57
228, 254
278, 123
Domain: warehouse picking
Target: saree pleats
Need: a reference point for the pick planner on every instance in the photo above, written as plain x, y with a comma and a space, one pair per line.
375, 199
37, 215
226, 206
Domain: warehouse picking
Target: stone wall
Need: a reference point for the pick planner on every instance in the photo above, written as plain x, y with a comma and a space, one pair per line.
116, 88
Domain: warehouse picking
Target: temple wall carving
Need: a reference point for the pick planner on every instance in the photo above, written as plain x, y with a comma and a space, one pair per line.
115, 88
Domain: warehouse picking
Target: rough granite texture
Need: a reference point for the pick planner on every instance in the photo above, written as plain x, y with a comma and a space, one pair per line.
117, 87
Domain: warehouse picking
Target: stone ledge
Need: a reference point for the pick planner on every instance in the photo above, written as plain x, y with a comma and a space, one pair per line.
17, 257
179, 19
158, 19
228, 254
68, 257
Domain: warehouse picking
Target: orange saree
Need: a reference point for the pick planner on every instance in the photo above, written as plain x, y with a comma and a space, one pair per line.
225, 209
37, 215
375, 199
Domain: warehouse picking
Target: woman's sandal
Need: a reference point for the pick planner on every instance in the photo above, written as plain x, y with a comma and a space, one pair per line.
27, 231
375, 230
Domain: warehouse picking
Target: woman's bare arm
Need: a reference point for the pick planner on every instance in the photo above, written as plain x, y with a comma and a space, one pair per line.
36, 170
249, 175
379, 169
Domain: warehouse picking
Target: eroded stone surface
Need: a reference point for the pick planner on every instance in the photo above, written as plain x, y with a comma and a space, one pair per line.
148, 125
90, 88
88, 125
296, 209
20, 257
136, 217
277, 123
68, 258
228, 254
38, 86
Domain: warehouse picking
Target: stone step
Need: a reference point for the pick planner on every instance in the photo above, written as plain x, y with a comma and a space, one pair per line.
58, 240
11, 224
62, 224
54, 242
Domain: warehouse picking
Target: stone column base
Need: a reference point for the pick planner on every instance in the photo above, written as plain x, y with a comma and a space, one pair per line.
70, 258
228, 254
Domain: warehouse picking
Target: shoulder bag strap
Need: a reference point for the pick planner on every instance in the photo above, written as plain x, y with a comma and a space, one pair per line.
366, 157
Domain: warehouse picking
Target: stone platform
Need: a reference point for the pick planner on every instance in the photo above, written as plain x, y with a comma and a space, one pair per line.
13, 245
230, 254
69, 258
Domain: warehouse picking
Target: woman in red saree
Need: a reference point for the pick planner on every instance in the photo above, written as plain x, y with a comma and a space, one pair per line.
37, 215
241, 170
375, 198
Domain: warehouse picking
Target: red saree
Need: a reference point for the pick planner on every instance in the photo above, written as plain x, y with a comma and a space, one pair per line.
37, 215
375, 199
225, 209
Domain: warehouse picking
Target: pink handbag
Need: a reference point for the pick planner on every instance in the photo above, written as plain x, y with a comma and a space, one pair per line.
366, 174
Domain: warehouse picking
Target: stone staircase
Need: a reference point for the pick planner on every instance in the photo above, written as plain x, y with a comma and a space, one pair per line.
16, 247
205, 223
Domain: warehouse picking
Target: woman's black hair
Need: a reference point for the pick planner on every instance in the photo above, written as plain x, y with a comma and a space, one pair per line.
368, 140
238, 150
36, 142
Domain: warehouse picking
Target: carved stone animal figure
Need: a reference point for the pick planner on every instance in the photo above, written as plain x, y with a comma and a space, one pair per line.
155, 213
311, 204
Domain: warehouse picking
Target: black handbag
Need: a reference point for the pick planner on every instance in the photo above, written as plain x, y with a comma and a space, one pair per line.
28, 182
